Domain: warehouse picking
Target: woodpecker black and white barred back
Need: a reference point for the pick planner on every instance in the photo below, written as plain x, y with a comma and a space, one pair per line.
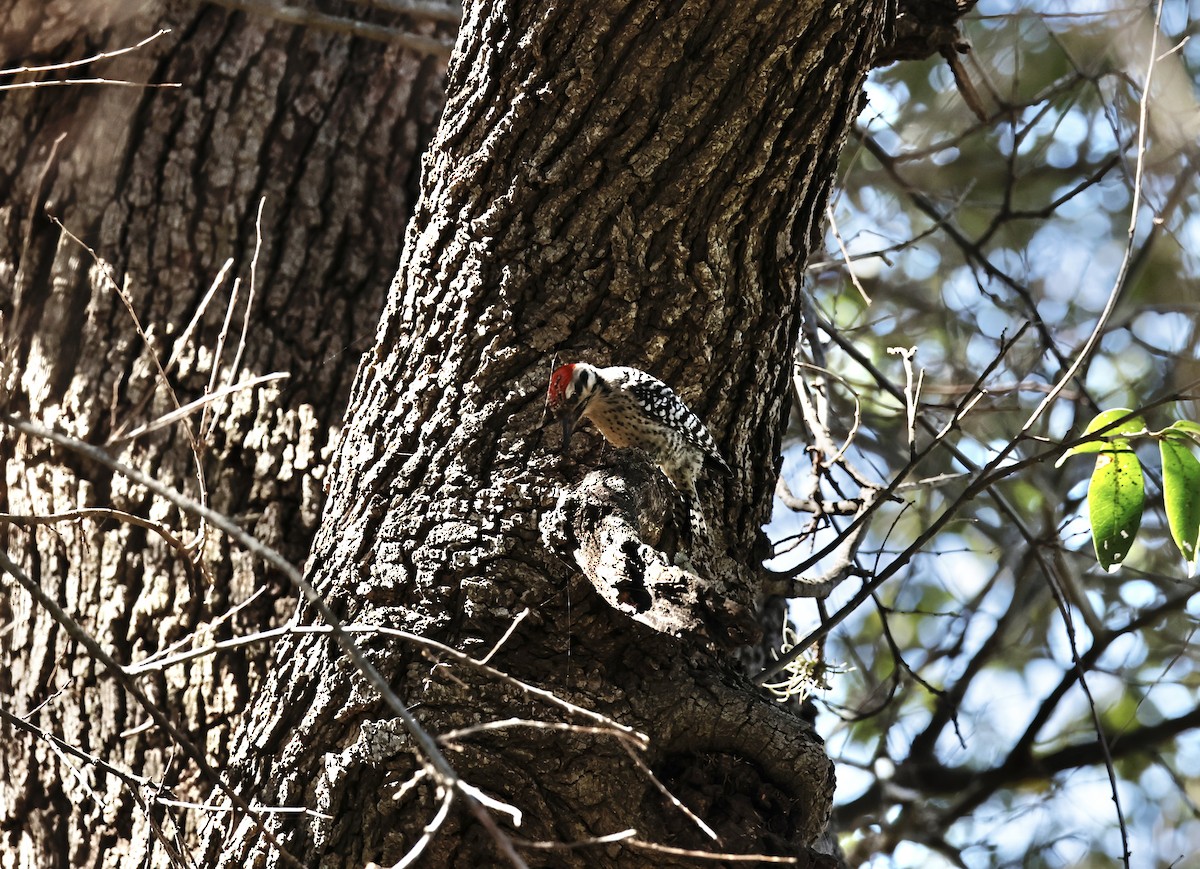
633, 409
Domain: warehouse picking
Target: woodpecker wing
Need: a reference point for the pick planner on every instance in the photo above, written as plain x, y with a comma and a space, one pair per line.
649, 392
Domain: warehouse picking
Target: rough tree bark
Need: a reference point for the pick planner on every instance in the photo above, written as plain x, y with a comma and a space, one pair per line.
165, 185
626, 183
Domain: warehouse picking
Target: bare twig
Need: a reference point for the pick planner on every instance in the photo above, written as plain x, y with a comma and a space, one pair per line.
510, 723
72, 64
258, 807
180, 345
182, 340
241, 348
670, 797
912, 392
199, 404
74, 82
145, 663
846, 259
102, 513
829, 454
161, 374
133, 780
520, 617
207, 420
578, 843
441, 770
138, 785
427, 834
335, 24
714, 855
431, 10
433, 645
117, 672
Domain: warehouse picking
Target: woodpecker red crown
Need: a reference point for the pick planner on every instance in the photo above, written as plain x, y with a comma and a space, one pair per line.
559, 381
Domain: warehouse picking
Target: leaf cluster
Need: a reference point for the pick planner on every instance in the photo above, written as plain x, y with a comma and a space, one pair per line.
1117, 491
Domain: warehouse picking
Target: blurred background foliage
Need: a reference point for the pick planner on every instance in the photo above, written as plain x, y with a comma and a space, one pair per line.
955, 712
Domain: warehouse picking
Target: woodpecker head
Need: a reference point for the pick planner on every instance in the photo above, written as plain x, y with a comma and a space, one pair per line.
571, 388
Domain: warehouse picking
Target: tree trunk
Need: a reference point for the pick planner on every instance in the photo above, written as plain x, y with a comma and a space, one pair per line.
632, 183
164, 185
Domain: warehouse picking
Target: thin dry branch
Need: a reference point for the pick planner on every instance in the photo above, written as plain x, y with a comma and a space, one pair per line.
139, 786
885, 492
578, 843
335, 24
462, 733
117, 672
185, 336
431, 10
258, 807
211, 626
427, 834
629, 838
466, 660
207, 419
102, 513
241, 348
440, 769
134, 781
517, 619
670, 797
199, 404
715, 856
847, 260
72, 64
75, 82
161, 374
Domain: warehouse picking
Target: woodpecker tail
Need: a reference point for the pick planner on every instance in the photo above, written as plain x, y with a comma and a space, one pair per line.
696, 523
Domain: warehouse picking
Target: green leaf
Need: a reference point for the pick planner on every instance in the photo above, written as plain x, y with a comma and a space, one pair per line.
1188, 431
1115, 498
1108, 440
1181, 489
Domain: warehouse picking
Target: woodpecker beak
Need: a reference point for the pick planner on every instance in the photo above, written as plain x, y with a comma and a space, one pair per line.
567, 418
